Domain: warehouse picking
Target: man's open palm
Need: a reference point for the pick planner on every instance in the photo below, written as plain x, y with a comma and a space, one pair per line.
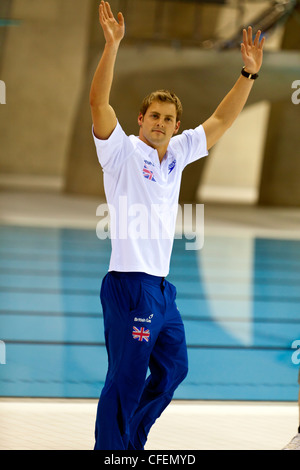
113, 30
252, 52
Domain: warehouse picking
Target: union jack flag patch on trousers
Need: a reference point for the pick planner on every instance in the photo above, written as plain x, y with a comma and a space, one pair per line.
141, 334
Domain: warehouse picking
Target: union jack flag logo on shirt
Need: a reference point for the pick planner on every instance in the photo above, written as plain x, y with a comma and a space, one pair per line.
141, 334
148, 174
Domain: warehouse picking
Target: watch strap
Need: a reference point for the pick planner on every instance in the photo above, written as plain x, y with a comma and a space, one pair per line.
251, 76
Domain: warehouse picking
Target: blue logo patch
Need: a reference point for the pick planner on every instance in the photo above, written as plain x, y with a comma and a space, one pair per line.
171, 166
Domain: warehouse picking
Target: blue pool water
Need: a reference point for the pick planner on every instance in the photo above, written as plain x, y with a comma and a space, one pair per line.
239, 299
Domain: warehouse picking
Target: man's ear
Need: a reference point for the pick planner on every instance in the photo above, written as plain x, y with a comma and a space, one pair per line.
176, 127
140, 119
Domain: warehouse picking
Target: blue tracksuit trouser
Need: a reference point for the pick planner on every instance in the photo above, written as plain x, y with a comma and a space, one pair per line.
143, 333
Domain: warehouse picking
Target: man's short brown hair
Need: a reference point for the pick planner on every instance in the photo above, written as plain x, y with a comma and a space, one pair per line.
164, 96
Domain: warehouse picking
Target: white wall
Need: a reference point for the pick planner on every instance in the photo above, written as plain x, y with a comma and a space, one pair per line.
232, 171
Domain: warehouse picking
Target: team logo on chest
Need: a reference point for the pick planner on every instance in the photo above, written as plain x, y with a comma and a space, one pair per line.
148, 174
141, 334
171, 166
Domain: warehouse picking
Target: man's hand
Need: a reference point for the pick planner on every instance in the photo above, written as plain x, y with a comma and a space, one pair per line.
252, 52
113, 30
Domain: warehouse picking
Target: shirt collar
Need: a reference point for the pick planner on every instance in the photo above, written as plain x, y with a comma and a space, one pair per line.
142, 145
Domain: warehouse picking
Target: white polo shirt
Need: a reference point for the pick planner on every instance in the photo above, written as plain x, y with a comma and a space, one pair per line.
142, 196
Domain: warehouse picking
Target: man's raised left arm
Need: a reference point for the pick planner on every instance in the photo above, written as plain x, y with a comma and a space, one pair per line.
233, 103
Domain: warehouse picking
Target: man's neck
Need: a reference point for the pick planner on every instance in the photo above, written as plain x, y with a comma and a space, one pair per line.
161, 150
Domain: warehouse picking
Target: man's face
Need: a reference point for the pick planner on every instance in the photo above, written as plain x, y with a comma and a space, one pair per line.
158, 124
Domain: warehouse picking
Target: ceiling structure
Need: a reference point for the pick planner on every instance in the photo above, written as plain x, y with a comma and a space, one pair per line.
188, 23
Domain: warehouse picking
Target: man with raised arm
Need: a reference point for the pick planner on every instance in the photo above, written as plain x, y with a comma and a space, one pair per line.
143, 327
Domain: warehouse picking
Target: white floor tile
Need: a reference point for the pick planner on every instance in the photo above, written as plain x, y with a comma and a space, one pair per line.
69, 425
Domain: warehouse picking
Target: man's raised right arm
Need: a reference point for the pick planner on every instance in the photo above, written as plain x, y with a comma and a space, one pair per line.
103, 115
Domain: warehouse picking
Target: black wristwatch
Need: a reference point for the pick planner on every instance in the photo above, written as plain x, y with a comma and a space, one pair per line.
251, 76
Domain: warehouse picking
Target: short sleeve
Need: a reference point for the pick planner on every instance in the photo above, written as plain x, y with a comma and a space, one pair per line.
190, 145
113, 151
